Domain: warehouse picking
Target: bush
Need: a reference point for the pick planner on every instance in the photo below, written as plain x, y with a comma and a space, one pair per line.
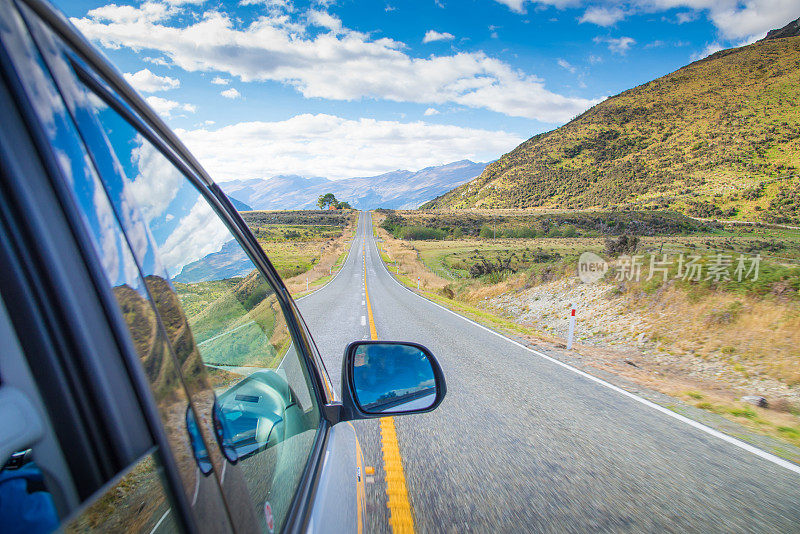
624, 244
420, 233
487, 232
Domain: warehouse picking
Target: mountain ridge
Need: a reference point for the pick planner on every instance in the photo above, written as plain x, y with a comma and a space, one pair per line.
399, 189
718, 137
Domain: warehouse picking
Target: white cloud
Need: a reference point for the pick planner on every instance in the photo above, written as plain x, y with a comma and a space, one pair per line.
335, 147
147, 82
338, 64
431, 111
603, 16
156, 61
231, 93
433, 35
157, 181
146, 13
324, 20
219, 80
186, 244
518, 6
514, 5
271, 4
735, 19
618, 45
564, 64
707, 51
164, 107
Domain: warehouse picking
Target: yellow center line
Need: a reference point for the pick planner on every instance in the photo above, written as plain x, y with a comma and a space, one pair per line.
400, 516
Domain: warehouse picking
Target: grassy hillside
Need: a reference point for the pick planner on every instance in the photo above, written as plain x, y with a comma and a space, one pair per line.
718, 138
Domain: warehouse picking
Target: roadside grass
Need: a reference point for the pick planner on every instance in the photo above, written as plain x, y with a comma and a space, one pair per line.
777, 423
752, 332
318, 276
475, 313
307, 248
198, 296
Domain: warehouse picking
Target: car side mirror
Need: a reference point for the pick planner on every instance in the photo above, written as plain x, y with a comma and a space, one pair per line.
383, 378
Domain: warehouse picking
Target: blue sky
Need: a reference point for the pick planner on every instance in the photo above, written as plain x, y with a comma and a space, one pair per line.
342, 88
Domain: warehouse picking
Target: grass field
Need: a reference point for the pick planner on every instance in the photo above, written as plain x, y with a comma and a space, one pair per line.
296, 241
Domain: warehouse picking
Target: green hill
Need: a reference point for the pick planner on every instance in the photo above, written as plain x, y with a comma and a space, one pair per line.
717, 138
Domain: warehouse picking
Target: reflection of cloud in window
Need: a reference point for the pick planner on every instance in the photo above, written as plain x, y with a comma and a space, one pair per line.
198, 234
97, 102
157, 180
107, 237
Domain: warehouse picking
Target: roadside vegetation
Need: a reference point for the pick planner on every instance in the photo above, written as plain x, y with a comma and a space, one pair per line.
306, 247
719, 338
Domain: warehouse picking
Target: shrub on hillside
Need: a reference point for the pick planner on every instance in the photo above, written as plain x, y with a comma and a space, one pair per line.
487, 232
624, 244
420, 233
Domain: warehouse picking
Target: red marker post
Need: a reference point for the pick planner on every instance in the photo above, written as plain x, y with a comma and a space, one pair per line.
571, 332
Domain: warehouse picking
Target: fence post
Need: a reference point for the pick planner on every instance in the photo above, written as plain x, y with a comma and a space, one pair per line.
571, 332
306, 283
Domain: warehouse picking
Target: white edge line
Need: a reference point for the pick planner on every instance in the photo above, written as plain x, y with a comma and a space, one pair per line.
163, 517
691, 422
196, 487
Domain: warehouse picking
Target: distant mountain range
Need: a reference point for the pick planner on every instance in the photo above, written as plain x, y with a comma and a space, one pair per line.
397, 189
719, 137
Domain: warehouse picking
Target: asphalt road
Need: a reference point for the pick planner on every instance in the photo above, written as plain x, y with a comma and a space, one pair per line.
524, 444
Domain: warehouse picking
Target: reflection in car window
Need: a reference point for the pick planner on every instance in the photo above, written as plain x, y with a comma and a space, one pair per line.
221, 312
134, 504
122, 274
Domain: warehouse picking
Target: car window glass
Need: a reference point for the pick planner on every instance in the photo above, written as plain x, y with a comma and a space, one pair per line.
215, 303
135, 503
122, 274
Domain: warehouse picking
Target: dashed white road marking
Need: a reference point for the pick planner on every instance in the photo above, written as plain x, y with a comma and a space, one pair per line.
163, 517
196, 488
363, 321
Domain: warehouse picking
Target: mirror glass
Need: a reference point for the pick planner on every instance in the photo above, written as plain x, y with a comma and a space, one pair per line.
392, 378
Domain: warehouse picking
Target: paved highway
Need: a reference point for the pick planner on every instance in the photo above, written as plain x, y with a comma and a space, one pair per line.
522, 443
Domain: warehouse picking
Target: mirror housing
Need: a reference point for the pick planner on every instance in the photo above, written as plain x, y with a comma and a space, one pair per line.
387, 378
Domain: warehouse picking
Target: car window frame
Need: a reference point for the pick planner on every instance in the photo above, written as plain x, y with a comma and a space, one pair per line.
222, 208
95, 80
299, 511
49, 178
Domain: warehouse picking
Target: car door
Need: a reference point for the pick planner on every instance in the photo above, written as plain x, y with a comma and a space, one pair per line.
91, 459
233, 333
